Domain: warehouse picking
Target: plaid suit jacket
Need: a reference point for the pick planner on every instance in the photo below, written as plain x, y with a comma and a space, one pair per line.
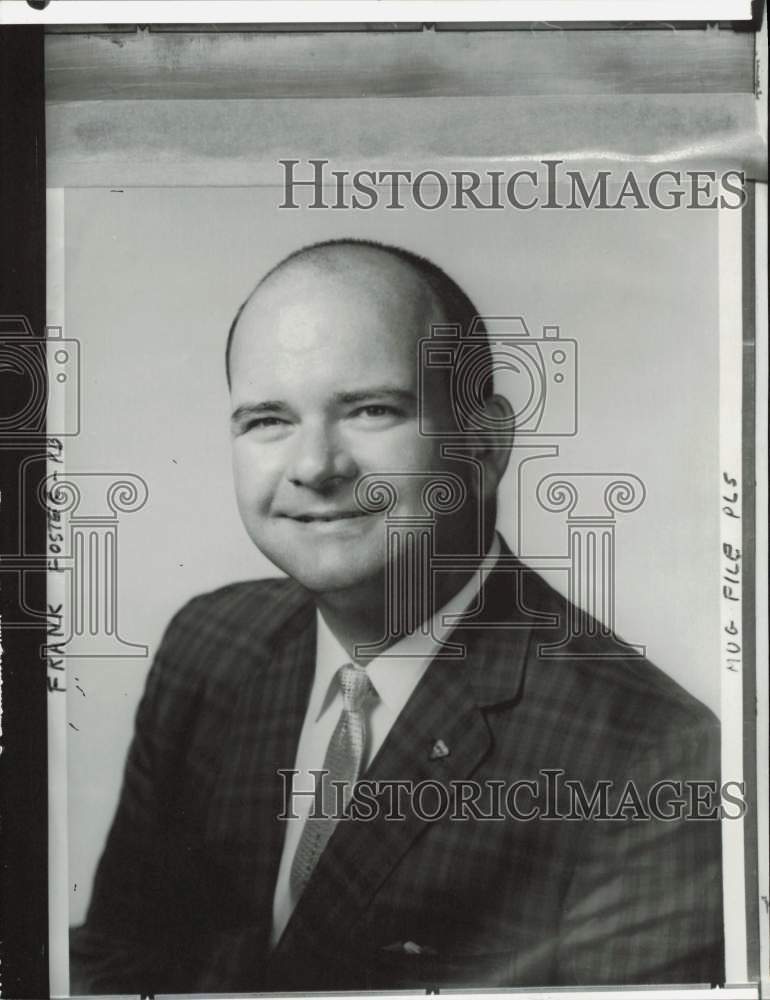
182, 900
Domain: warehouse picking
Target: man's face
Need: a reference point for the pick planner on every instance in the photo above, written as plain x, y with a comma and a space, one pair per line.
324, 391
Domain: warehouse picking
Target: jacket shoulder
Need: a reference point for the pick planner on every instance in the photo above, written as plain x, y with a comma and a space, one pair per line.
237, 604
625, 693
217, 637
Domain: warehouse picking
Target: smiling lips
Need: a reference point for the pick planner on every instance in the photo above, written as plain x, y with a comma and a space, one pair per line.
342, 515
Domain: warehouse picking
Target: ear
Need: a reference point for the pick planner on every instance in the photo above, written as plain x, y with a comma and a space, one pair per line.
493, 450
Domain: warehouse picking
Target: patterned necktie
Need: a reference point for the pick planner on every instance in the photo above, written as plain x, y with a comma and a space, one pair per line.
343, 760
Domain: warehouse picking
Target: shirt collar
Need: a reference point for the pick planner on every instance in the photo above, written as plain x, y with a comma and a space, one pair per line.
394, 674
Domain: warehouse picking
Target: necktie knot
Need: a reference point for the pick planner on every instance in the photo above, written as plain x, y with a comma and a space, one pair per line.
355, 686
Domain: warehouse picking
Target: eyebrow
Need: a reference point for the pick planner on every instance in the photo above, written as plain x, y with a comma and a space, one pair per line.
383, 391
358, 396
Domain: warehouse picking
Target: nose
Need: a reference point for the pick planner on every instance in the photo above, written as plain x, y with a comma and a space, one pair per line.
319, 459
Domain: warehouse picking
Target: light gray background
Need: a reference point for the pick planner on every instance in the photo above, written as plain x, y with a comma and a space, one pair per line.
153, 277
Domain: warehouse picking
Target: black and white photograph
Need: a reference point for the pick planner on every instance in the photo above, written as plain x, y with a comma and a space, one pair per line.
395, 428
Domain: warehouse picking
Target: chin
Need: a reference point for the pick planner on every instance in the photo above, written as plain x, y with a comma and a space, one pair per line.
330, 580
325, 572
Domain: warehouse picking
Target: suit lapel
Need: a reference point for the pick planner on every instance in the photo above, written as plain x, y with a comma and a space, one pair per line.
448, 705
261, 740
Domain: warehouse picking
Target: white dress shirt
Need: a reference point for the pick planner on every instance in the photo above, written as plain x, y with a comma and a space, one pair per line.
394, 676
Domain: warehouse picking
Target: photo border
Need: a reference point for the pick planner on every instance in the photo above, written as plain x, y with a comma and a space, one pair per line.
19, 693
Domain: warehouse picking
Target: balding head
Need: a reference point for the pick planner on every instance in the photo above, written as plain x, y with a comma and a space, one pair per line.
386, 275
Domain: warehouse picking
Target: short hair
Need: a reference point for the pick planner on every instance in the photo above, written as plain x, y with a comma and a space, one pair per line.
457, 306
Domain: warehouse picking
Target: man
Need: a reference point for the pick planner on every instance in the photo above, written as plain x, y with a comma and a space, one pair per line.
406, 651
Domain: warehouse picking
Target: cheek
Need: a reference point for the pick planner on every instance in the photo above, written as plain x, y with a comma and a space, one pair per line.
256, 472
401, 450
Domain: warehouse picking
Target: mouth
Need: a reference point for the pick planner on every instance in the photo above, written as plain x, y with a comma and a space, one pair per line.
331, 518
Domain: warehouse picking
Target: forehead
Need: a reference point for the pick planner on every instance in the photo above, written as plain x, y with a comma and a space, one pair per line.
370, 313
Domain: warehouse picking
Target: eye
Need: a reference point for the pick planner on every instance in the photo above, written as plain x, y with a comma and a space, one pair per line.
375, 410
265, 428
264, 422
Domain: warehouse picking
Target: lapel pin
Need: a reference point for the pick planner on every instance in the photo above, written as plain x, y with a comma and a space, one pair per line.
438, 750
